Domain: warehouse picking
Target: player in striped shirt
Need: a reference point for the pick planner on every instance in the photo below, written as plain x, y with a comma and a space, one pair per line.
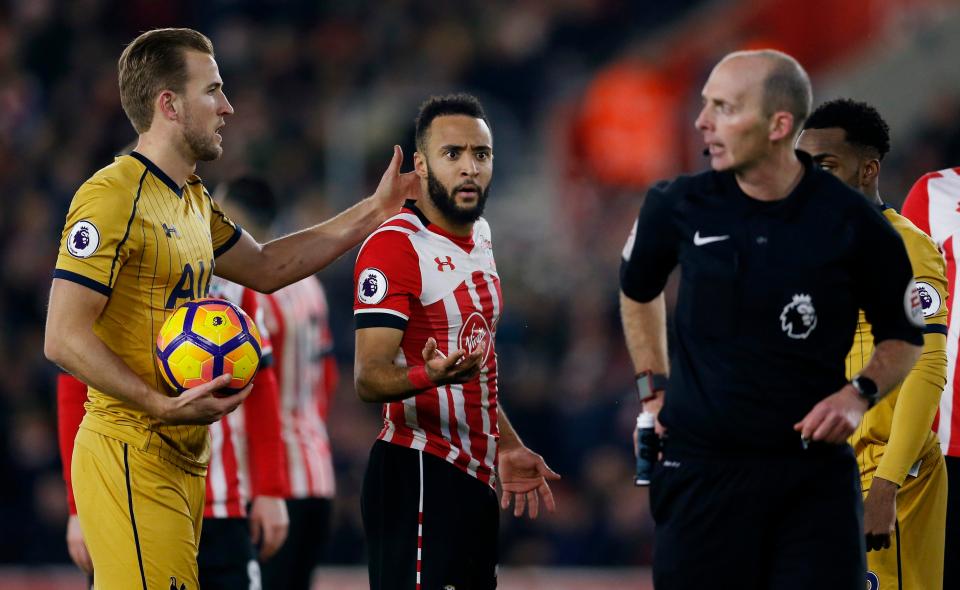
933, 204
427, 305
297, 319
901, 467
244, 515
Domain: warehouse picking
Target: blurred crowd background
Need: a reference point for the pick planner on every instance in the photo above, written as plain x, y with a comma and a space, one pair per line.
590, 101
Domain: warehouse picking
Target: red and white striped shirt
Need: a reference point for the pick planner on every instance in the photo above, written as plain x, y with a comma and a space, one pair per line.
246, 452
297, 317
933, 205
414, 276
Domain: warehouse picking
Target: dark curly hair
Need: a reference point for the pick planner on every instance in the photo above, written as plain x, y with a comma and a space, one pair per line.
864, 126
451, 104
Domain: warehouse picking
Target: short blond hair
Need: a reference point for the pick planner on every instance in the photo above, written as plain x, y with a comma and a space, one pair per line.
154, 62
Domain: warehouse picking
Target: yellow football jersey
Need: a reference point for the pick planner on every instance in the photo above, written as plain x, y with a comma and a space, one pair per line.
889, 445
132, 234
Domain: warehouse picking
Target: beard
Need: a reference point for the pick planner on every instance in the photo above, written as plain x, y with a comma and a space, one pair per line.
445, 201
200, 146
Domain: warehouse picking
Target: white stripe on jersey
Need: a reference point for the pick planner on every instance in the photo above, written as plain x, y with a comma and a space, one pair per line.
943, 194
944, 430
238, 436
216, 474
484, 377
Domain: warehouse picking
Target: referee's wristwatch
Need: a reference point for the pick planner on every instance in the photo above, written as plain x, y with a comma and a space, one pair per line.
867, 389
649, 383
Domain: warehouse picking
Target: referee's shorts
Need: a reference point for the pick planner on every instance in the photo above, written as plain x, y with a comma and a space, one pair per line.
456, 545
790, 521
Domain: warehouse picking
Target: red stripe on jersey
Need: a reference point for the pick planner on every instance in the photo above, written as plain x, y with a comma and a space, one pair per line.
223, 482
299, 320
457, 303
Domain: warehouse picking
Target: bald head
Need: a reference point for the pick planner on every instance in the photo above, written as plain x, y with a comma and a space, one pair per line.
786, 85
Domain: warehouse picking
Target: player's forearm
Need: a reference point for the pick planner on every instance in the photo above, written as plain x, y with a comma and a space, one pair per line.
83, 354
916, 406
890, 363
509, 439
292, 257
645, 330
382, 382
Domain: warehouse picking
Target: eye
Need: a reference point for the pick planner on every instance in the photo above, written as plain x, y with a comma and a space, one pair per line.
483, 155
451, 154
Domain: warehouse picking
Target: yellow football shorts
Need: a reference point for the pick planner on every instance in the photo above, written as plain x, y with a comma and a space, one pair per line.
915, 556
140, 515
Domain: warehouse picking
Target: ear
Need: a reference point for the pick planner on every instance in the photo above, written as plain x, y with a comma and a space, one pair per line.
168, 105
781, 126
869, 171
420, 165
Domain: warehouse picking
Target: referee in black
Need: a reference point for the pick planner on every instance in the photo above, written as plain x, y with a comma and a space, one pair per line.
757, 487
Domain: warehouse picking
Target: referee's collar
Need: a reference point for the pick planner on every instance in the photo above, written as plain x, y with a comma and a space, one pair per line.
160, 174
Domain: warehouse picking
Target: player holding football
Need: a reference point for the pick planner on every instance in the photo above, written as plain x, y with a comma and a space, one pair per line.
427, 305
297, 319
141, 236
902, 470
934, 205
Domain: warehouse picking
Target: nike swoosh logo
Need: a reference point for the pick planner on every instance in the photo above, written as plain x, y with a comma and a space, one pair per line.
699, 240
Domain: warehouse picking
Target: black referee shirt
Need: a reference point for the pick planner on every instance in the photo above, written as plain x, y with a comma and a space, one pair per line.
768, 301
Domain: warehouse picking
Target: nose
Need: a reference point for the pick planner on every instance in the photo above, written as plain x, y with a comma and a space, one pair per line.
702, 122
226, 108
470, 167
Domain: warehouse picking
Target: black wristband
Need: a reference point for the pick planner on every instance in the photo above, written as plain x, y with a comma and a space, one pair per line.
649, 383
867, 389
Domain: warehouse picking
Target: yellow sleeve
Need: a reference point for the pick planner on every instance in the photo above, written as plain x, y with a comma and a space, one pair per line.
223, 231
920, 392
98, 236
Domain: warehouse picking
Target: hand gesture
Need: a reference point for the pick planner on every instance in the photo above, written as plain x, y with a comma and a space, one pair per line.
523, 478
201, 405
459, 367
880, 513
269, 524
77, 547
396, 187
835, 418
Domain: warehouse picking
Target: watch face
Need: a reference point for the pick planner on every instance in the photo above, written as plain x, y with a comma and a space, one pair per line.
865, 386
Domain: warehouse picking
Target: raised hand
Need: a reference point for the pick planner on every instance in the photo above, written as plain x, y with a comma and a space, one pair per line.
459, 367
395, 187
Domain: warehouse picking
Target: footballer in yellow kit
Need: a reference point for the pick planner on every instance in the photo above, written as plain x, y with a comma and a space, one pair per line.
902, 470
134, 235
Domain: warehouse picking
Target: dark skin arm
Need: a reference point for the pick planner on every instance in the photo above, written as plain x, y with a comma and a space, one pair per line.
379, 380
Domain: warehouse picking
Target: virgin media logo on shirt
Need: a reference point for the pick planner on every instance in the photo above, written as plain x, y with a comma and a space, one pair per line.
475, 335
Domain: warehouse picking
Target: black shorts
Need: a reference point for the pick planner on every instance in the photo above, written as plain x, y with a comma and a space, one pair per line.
227, 559
292, 566
786, 522
460, 523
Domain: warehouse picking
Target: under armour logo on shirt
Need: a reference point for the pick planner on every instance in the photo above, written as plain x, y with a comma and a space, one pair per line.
170, 230
442, 263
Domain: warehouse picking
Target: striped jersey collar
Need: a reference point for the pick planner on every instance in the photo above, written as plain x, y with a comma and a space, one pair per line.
160, 174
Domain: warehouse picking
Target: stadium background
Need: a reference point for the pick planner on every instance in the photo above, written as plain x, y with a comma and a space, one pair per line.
590, 100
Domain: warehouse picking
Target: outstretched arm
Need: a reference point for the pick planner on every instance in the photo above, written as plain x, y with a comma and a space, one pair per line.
267, 267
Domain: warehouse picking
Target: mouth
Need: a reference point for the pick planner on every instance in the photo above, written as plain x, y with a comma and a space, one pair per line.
469, 192
714, 148
217, 131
